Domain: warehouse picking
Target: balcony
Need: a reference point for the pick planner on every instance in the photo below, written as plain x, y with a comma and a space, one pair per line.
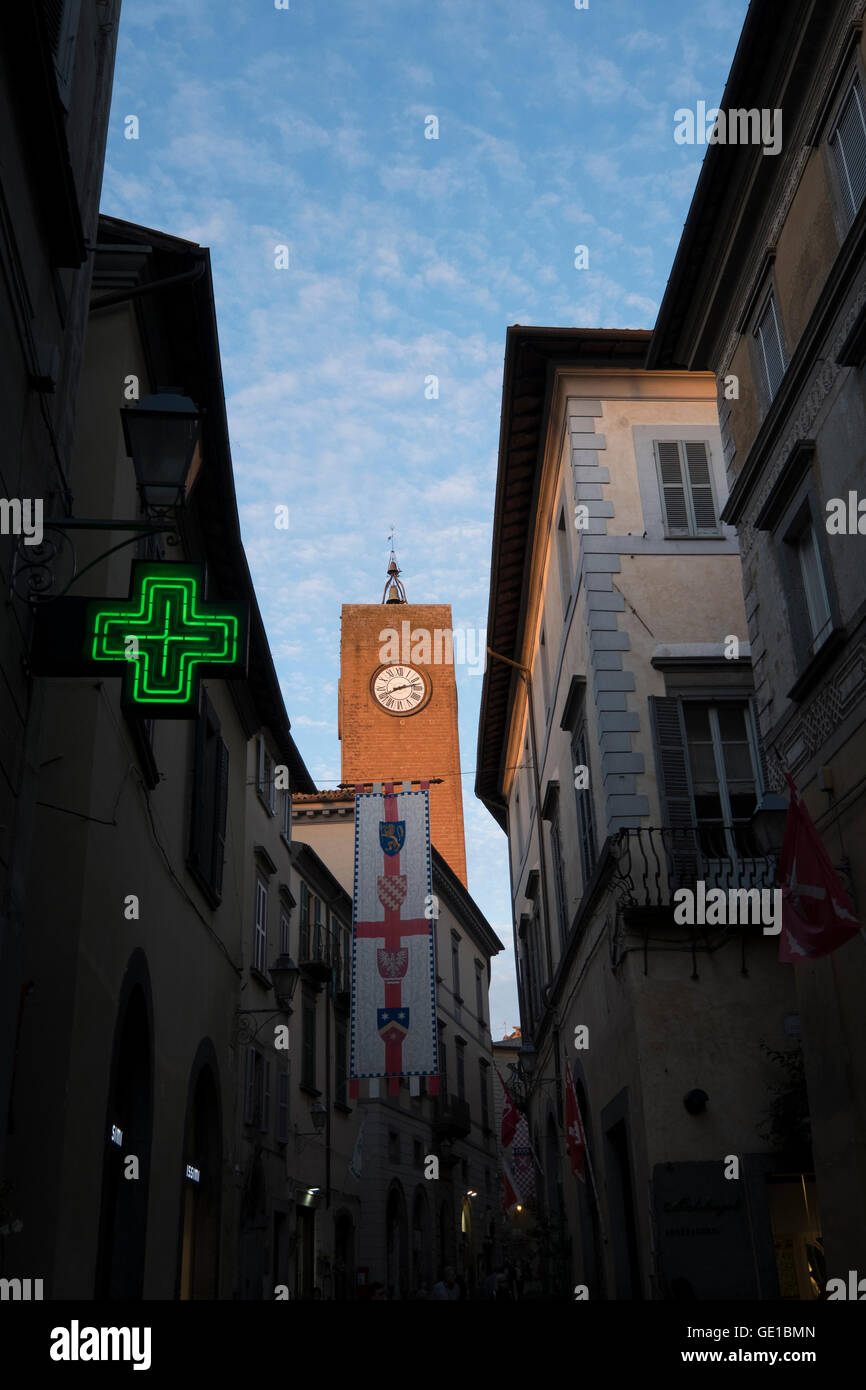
451, 1117
318, 954
651, 863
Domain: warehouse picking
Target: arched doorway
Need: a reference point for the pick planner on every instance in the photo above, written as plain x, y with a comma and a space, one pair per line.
397, 1243
344, 1257
128, 1126
201, 1169
446, 1237
467, 1243
587, 1200
422, 1243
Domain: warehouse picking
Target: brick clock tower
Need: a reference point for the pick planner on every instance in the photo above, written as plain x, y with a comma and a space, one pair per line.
398, 706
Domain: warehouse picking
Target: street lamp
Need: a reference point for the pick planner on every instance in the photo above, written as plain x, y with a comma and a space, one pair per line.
284, 977
768, 823
163, 439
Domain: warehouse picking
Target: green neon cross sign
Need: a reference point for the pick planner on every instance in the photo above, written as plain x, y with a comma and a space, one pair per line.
165, 636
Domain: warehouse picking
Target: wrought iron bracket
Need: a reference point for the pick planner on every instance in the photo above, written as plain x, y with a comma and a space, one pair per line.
33, 578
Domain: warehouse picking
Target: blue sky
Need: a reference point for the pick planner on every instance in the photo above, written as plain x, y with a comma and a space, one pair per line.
408, 258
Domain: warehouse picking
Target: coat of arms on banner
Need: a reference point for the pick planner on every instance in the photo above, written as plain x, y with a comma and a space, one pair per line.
394, 1031
392, 835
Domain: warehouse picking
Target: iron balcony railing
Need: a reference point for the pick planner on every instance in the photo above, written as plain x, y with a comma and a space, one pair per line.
652, 862
451, 1116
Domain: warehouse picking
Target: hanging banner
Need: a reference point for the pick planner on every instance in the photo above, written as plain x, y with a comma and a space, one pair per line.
393, 1017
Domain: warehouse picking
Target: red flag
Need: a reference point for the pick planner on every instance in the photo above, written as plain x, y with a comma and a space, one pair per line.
817, 914
574, 1134
509, 1195
509, 1115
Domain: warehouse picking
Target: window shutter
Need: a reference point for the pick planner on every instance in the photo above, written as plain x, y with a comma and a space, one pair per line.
266, 1096
672, 764
53, 10
250, 1086
673, 490
700, 483
221, 801
849, 149
304, 928
759, 746
770, 339
282, 1129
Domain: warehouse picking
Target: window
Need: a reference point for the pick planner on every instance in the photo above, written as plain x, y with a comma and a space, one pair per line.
346, 977
418, 1153
533, 967
265, 777
848, 145
583, 798
545, 673
340, 1036
285, 920
455, 965
286, 809
558, 876
260, 933
304, 924
479, 992
518, 827
308, 1042
686, 484
793, 512
258, 1090
317, 929
282, 1126
770, 346
393, 1146
711, 775
61, 18
443, 1064
209, 803
461, 1068
723, 773
483, 1080
564, 553
814, 586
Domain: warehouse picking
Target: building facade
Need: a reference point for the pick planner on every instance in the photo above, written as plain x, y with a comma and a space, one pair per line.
177, 1119
55, 93
768, 292
619, 749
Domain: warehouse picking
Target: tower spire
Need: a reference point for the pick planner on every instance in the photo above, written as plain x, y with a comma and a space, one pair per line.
394, 591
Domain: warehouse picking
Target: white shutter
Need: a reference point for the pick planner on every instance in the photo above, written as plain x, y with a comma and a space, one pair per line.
848, 143
815, 590
672, 488
701, 487
769, 336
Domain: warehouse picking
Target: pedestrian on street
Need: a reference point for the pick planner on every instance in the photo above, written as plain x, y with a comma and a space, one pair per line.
447, 1288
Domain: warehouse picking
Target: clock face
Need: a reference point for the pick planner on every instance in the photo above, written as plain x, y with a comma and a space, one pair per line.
400, 689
